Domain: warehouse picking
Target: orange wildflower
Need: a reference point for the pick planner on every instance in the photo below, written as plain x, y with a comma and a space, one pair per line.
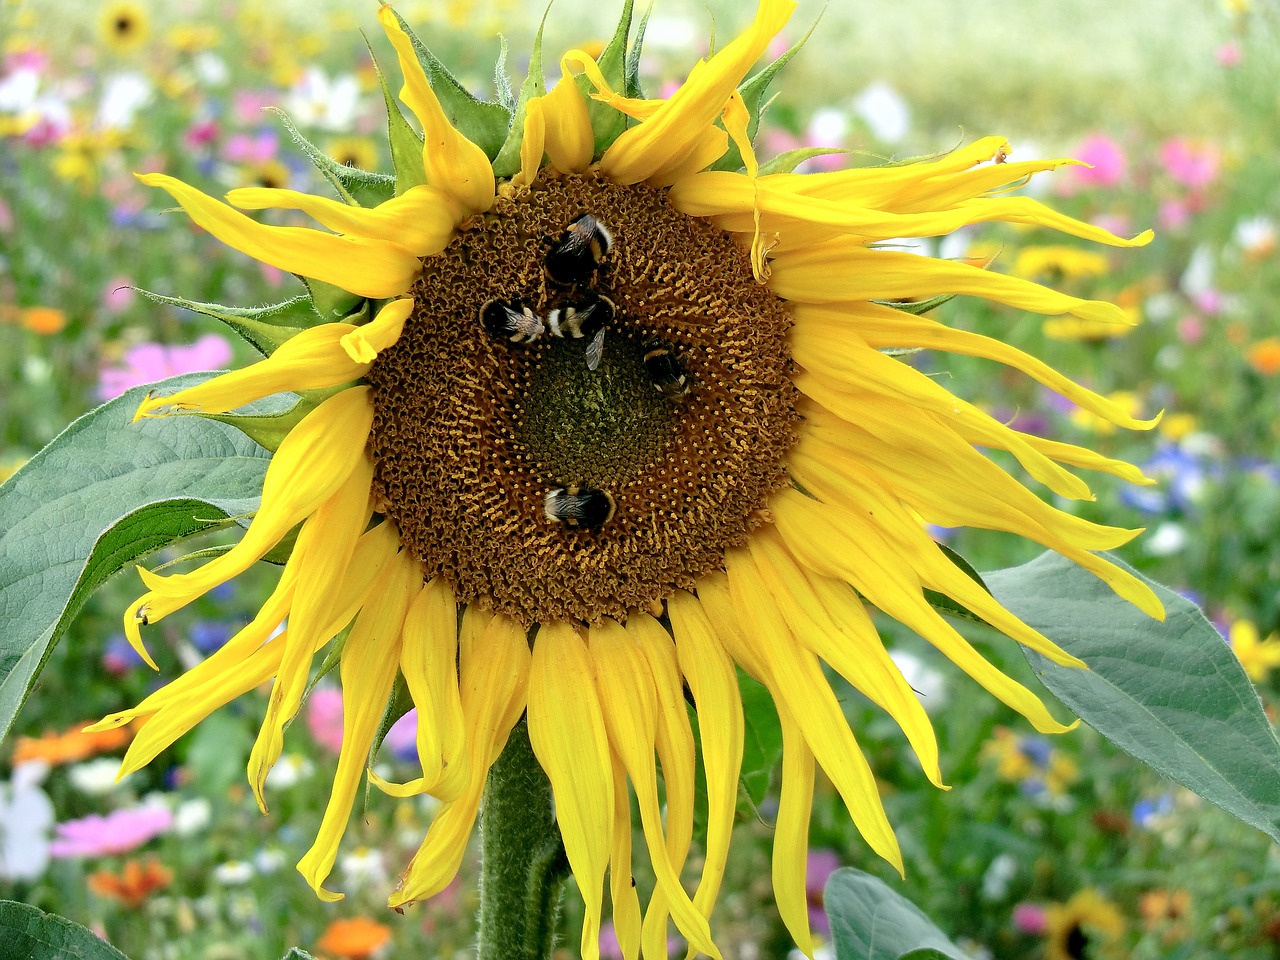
354, 939
131, 887
44, 320
1264, 356
70, 745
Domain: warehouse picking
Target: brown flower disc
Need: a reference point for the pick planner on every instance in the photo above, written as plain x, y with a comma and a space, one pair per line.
472, 432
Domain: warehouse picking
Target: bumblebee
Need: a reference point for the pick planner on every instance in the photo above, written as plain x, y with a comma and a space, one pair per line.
582, 246
588, 318
511, 320
665, 372
579, 506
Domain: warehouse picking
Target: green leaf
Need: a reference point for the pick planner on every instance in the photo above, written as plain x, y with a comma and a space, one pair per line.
265, 328
787, 162
606, 122
334, 304
946, 604
762, 741
501, 80
482, 122
28, 933
103, 494
358, 187
871, 921
916, 307
1171, 694
398, 704
753, 91
507, 162
406, 145
217, 752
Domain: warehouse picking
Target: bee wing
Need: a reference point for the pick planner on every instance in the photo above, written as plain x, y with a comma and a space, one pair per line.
595, 349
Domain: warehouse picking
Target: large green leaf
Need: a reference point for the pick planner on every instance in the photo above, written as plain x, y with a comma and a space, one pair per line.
762, 738
871, 921
1172, 694
27, 933
103, 494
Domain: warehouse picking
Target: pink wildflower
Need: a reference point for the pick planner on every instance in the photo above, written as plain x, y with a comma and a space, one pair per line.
148, 362
822, 863
324, 717
251, 148
117, 832
1190, 163
117, 295
1106, 159
1029, 918
1230, 55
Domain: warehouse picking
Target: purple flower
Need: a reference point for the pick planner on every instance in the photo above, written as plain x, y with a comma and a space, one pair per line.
117, 832
208, 636
148, 362
119, 657
402, 738
822, 863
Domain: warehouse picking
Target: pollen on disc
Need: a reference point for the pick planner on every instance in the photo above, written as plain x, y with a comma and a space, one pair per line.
472, 431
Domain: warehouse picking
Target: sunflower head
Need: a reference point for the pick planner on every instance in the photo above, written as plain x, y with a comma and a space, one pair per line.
124, 26
595, 411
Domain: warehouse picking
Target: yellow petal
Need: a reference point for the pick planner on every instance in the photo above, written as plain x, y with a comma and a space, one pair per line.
421, 219
367, 670
364, 266
428, 661
714, 683
316, 458
567, 732
569, 138
843, 269
532, 144
835, 626
310, 360
364, 343
676, 751
622, 884
796, 679
452, 162
335, 591
882, 327
494, 667
876, 570
665, 140
629, 704
791, 832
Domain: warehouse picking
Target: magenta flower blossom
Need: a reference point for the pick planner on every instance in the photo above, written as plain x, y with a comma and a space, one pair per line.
1106, 159
117, 832
1029, 918
148, 362
1190, 163
324, 717
822, 863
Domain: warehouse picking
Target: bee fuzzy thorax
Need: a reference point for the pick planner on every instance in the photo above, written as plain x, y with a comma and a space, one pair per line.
579, 506
511, 320
582, 246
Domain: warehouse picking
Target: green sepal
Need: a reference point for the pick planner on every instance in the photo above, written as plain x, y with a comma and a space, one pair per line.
398, 704
357, 187
607, 123
753, 91
264, 328
483, 122
335, 305
945, 604
406, 145
265, 430
787, 162
633, 88
507, 162
916, 307
502, 80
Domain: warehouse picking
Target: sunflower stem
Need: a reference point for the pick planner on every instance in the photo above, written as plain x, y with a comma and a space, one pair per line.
523, 861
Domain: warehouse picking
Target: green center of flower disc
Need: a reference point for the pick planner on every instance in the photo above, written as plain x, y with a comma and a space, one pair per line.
670, 440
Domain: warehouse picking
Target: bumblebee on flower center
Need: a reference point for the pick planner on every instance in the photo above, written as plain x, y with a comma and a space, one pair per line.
487, 446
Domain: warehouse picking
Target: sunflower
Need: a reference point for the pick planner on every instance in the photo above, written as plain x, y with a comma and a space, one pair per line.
607, 426
1075, 930
124, 26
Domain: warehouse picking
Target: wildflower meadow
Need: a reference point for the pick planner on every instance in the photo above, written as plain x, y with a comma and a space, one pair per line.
1041, 846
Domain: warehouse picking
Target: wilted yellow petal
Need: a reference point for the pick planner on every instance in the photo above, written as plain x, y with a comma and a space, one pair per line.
791, 832
421, 219
567, 731
569, 137
452, 162
364, 266
364, 343
622, 884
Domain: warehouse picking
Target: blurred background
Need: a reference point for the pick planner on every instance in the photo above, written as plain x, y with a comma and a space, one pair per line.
1057, 848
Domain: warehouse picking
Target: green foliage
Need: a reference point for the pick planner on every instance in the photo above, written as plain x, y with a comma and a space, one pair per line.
103, 495
1170, 693
27, 933
870, 921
